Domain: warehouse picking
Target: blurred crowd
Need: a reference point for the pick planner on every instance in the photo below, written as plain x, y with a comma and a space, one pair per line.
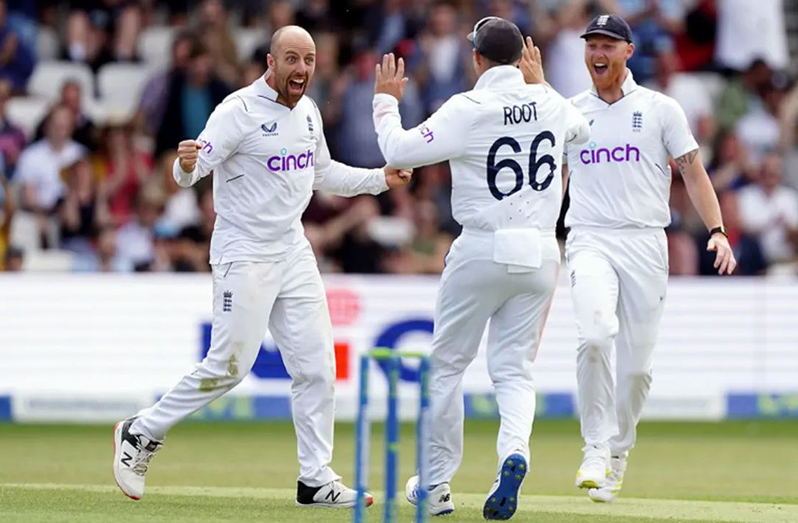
84, 190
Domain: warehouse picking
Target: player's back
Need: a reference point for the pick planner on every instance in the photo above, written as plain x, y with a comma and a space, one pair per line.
508, 172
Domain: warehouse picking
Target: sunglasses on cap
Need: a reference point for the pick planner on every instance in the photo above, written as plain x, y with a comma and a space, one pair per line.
478, 26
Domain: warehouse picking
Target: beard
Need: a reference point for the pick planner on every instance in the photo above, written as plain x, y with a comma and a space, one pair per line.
293, 88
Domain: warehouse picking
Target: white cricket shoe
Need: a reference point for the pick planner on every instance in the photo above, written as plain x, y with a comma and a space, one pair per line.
332, 495
439, 499
132, 455
612, 486
595, 467
502, 500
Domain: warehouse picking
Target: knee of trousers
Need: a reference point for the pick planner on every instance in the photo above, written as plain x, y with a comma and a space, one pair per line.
635, 378
315, 374
597, 337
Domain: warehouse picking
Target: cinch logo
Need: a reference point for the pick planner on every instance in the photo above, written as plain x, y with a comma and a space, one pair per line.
206, 145
627, 153
290, 162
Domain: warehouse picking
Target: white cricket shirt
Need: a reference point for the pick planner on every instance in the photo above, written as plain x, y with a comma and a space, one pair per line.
621, 177
267, 159
504, 141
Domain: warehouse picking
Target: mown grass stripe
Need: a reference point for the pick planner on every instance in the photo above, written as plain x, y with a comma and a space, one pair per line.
715, 511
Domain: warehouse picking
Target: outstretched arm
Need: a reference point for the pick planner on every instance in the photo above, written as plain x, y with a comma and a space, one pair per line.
437, 139
343, 180
703, 196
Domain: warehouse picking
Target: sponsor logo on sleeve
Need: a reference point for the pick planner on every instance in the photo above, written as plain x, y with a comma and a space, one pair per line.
426, 132
207, 147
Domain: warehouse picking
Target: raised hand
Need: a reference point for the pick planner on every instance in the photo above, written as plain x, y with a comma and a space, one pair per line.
531, 64
390, 78
187, 153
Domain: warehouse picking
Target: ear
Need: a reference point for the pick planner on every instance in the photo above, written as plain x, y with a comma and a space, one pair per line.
270, 61
477, 57
630, 50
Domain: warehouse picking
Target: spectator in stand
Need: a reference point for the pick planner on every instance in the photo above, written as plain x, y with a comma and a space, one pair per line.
213, 26
82, 210
39, 167
12, 138
87, 36
389, 24
750, 30
123, 168
692, 96
85, 132
747, 251
759, 129
356, 142
769, 211
193, 243
190, 99
181, 209
281, 14
427, 251
741, 92
13, 259
446, 65
135, 241
128, 22
16, 58
696, 45
316, 16
730, 167
104, 256
565, 55
156, 91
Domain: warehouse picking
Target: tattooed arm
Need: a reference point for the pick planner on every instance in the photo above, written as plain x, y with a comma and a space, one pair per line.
703, 196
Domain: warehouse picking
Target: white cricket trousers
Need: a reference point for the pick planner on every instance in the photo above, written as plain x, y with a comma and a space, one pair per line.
619, 280
289, 297
474, 289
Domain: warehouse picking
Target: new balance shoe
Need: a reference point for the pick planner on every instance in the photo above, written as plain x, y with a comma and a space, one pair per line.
502, 500
439, 498
332, 495
612, 486
132, 455
595, 467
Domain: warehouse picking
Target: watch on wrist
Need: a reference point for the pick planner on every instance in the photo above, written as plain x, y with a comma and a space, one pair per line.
721, 229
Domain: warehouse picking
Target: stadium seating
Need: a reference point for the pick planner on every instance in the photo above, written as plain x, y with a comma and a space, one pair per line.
49, 76
154, 46
27, 112
119, 87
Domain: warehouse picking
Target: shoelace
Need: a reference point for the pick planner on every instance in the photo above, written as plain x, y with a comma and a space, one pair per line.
142, 461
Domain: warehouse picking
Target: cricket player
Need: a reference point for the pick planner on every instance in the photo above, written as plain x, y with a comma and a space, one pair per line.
617, 250
265, 145
504, 140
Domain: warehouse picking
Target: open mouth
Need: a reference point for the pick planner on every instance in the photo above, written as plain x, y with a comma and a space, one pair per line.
296, 85
600, 67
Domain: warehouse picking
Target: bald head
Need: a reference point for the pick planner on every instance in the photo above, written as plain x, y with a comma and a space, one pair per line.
291, 62
289, 36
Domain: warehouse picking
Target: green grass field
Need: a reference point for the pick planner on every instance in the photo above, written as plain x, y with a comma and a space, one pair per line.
687, 472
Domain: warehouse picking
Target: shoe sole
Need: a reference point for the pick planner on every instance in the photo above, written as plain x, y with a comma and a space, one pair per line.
503, 502
116, 429
590, 483
369, 502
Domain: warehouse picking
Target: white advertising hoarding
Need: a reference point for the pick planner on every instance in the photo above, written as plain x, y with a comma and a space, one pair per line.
98, 347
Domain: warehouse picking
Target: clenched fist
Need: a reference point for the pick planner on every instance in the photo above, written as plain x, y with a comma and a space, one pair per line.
187, 154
